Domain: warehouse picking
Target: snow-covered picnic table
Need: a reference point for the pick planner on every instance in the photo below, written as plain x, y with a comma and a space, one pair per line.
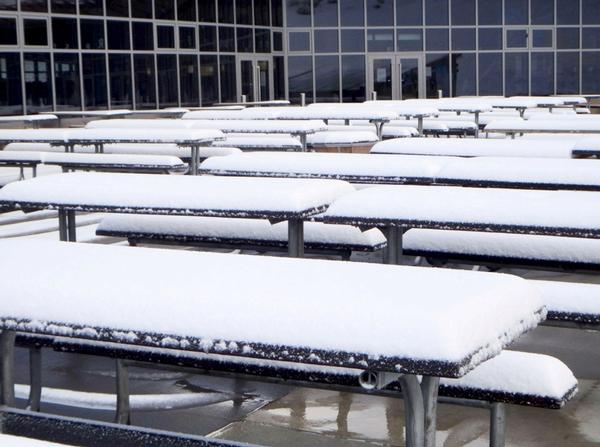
21, 160
586, 148
395, 209
275, 199
460, 320
100, 114
33, 121
565, 125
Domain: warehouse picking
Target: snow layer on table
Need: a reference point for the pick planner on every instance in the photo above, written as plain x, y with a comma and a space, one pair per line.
145, 135
551, 171
34, 135
405, 108
570, 297
319, 112
520, 373
363, 166
319, 304
552, 125
28, 118
520, 246
387, 130
113, 112
19, 441
183, 193
476, 147
588, 143
575, 210
260, 126
259, 142
427, 125
335, 137
250, 229
111, 159
452, 124
20, 156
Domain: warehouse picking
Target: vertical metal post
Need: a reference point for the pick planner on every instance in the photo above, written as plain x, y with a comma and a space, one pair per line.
123, 415
413, 411
7, 346
429, 389
379, 129
303, 99
476, 124
373, 96
62, 225
295, 238
35, 378
195, 152
497, 424
303, 141
393, 250
21, 173
34, 171
420, 125
71, 226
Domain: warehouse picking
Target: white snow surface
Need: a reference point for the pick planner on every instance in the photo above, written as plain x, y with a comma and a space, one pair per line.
570, 297
573, 125
139, 123
250, 229
521, 246
259, 141
184, 193
588, 143
320, 303
13, 174
341, 137
574, 210
406, 108
314, 112
30, 156
28, 118
111, 159
19, 441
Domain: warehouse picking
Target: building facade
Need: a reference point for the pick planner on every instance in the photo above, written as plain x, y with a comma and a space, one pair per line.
97, 54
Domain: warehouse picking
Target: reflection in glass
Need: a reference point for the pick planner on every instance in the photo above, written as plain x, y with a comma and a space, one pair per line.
437, 75
167, 80
92, 34
299, 41
410, 39
64, 33
436, 39
567, 38
226, 12
226, 39
464, 74
165, 36
117, 8
141, 9
590, 12
590, 38
278, 77
90, 7
243, 12
353, 40
187, 37
541, 38
490, 38
463, 12
245, 39
298, 13
489, 12
542, 12
262, 40
62, 6
353, 78
380, 12
463, 39
567, 73
567, 12
516, 72
34, 5
11, 99
590, 72
94, 81
38, 82
300, 78
409, 78
382, 75
409, 12
379, 39
542, 73
209, 80
516, 12
227, 72
164, 9
261, 13
436, 12
490, 74
326, 41
325, 12
208, 37
188, 80
119, 69
516, 38
207, 11
352, 13
145, 87
66, 81
327, 79
186, 10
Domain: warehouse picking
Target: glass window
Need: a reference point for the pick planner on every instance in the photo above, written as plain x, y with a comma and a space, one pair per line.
228, 78
567, 38
11, 99
437, 75
464, 39
464, 74
186, 10
436, 39
567, 12
410, 39
300, 78
327, 79
243, 12
590, 13
353, 78
94, 80
326, 41
167, 80
34, 5
277, 41
279, 77
298, 13
489, 12
590, 38
542, 73
567, 73
299, 41
143, 35
62, 6
207, 11
66, 81
516, 72
92, 34
35, 32
119, 69
8, 34
380, 13
7, 5
118, 35
409, 12
436, 12
187, 37
490, 74
516, 12
463, 12
145, 85
117, 8
165, 36
226, 38
353, 40
208, 38
325, 13
141, 9
64, 33
164, 9
38, 82
380, 39
262, 40
188, 80
352, 13
91, 7
245, 42
209, 79
590, 75
516, 38
490, 38
277, 12
542, 12
261, 13
542, 38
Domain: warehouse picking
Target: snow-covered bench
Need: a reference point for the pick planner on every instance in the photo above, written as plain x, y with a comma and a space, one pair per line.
22, 160
342, 141
33, 121
254, 142
115, 163
566, 125
243, 234
386, 347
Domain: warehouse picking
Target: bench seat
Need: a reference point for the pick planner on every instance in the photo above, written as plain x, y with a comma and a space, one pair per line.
569, 302
254, 234
341, 138
260, 142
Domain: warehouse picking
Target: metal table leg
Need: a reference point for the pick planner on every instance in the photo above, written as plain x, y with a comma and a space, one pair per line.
476, 124
123, 415
303, 141
7, 346
497, 424
379, 129
35, 378
420, 125
429, 389
414, 413
62, 225
295, 238
393, 250
71, 227
195, 152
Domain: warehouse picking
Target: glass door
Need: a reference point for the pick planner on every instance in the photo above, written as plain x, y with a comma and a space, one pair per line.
254, 78
381, 77
410, 74
396, 77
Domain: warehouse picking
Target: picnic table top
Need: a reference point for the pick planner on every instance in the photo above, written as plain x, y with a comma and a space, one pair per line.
28, 118
297, 113
461, 318
184, 195
404, 108
558, 213
21, 156
83, 113
569, 125
151, 161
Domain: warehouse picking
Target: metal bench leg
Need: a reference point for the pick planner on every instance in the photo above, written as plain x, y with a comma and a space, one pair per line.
34, 171
497, 424
393, 250
71, 226
21, 173
7, 345
62, 225
295, 238
413, 411
123, 415
195, 151
303, 142
35, 379
429, 388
